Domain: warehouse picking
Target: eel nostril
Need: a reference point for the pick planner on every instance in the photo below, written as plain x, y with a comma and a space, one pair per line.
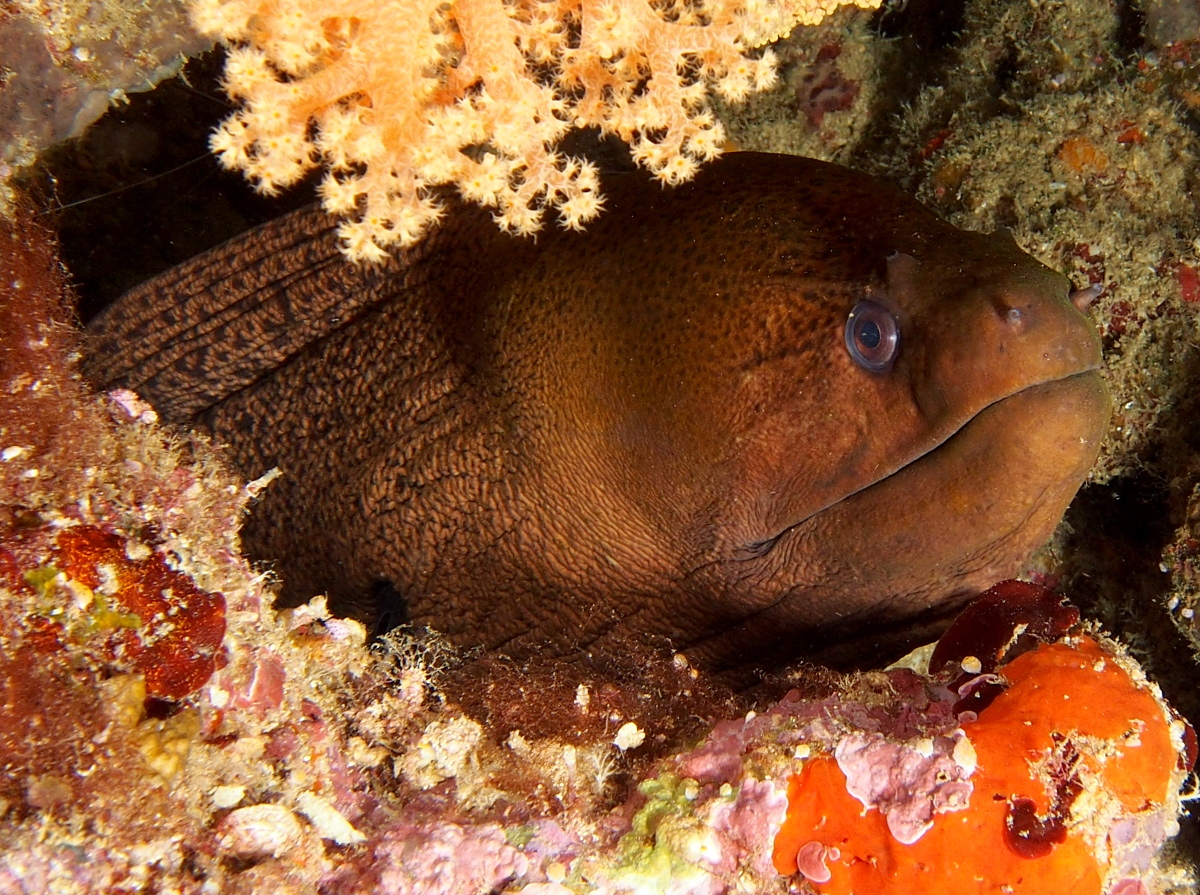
1083, 298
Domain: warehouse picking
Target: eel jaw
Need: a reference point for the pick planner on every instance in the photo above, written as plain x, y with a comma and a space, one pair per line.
891, 563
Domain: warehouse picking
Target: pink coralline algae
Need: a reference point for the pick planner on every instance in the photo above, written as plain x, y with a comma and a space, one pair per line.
908, 784
256, 684
825, 88
446, 859
745, 822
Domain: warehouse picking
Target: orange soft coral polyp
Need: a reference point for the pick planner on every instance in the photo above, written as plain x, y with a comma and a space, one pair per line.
1073, 746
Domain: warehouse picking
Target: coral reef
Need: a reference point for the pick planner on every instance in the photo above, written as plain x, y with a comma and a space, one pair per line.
306, 760
831, 76
162, 728
396, 99
1033, 791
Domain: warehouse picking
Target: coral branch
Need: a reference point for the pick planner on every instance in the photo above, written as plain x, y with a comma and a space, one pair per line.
395, 99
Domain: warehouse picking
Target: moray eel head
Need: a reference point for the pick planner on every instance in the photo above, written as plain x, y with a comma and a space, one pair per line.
829, 420
943, 471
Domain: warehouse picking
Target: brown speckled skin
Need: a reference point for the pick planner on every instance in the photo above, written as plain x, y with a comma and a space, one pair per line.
651, 430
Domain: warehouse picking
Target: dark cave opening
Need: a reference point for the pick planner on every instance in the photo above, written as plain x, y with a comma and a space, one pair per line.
139, 192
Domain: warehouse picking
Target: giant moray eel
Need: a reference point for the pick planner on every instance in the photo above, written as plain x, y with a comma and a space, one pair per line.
781, 410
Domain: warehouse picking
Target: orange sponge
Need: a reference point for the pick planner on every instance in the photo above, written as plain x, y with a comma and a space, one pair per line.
1073, 772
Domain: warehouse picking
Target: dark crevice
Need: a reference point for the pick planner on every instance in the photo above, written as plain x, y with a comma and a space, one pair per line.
921, 39
1008, 67
929, 26
1113, 569
139, 192
1130, 37
1113, 574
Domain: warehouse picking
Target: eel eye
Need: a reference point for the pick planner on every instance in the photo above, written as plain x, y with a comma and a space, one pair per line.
872, 336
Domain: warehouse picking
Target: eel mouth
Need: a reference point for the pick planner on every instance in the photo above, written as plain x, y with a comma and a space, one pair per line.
1089, 418
918, 542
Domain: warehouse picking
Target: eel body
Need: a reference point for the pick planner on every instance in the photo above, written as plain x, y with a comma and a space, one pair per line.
780, 410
